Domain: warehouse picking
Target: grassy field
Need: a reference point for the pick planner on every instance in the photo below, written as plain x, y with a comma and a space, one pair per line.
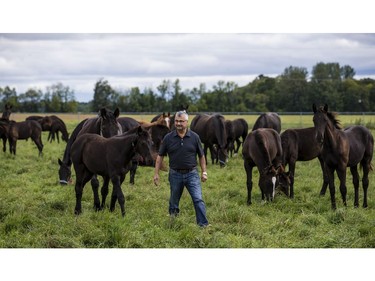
36, 212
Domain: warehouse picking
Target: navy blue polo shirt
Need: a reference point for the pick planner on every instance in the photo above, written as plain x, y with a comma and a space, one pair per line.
182, 152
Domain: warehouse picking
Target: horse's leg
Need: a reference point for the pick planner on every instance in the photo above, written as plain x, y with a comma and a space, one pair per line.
95, 188
82, 177
238, 142
38, 143
292, 168
4, 144
57, 137
117, 194
205, 152
133, 170
325, 178
50, 136
249, 182
331, 176
366, 165
354, 172
104, 191
341, 172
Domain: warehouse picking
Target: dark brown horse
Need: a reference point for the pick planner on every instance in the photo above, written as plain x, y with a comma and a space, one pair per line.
57, 126
171, 117
342, 149
236, 129
22, 131
268, 120
262, 148
300, 145
5, 118
104, 124
335, 150
108, 157
65, 164
212, 132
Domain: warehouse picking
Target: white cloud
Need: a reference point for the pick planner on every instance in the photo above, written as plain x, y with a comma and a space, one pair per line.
145, 60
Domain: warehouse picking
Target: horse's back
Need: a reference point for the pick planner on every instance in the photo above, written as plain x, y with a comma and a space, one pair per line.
262, 143
268, 120
361, 144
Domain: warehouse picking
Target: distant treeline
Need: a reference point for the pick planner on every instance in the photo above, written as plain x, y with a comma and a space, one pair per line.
292, 91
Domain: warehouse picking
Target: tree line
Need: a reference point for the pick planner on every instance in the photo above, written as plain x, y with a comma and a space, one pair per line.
294, 90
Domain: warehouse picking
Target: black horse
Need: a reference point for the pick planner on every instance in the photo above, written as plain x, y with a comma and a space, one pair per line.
342, 149
109, 157
335, 150
236, 129
268, 120
262, 148
300, 145
212, 132
65, 164
104, 124
57, 126
23, 130
4, 119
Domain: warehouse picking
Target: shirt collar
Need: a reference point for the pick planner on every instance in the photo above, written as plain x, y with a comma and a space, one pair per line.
188, 134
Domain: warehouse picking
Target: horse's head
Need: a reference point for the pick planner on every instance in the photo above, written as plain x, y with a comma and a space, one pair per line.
143, 146
7, 111
284, 182
320, 120
64, 172
268, 180
109, 126
223, 156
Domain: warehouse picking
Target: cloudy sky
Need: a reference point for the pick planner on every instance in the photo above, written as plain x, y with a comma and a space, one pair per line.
38, 60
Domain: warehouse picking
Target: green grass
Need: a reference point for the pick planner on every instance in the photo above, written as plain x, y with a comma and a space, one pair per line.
36, 212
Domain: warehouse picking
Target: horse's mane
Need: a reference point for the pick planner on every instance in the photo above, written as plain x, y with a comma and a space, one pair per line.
333, 117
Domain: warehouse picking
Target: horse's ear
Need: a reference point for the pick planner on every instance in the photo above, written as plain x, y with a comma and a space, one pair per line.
314, 108
140, 130
102, 112
169, 114
117, 112
326, 108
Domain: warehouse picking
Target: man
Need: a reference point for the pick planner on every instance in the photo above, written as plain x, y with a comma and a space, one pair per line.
182, 147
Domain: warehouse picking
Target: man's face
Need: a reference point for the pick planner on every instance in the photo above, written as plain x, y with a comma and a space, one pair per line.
180, 123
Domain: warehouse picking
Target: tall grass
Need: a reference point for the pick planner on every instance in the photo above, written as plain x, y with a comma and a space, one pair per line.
36, 212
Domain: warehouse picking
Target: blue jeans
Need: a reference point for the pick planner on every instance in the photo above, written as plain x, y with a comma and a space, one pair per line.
192, 182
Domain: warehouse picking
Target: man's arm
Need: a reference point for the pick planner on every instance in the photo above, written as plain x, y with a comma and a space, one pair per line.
159, 160
202, 163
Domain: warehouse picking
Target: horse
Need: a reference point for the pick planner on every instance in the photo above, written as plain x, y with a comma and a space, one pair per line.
262, 148
268, 120
22, 131
5, 118
360, 145
236, 129
211, 130
109, 157
171, 117
335, 150
157, 132
300, 145
105, 124
65, 164
57, 126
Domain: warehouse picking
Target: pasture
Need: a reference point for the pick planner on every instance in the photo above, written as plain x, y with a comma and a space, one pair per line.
36, 212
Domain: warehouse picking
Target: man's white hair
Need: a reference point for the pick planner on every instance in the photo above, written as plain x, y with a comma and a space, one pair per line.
181, 113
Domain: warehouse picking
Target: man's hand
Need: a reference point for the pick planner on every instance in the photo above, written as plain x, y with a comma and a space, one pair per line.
156, 179
204, 176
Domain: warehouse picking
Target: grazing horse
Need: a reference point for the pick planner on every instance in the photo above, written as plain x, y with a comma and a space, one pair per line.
22, 131
268, 120
335, 150
211, 131
262, 148
236, 129
65, 164
109, 157
57, 126
300, 145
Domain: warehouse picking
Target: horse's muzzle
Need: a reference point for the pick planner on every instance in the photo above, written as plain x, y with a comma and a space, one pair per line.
63, 182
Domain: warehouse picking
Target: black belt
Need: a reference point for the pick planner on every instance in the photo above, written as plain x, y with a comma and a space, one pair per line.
184, 171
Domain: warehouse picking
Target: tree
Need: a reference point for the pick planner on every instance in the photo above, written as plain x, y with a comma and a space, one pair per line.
59, 98
31, 100
104, 95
